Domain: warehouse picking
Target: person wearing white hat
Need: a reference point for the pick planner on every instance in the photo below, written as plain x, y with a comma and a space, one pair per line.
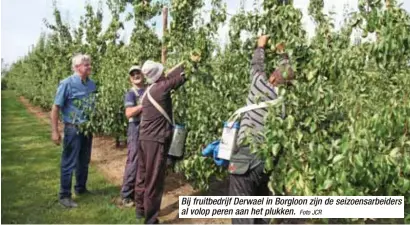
133, 109
155, 139
153, 71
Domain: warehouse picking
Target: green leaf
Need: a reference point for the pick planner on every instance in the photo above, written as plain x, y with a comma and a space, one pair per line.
275, 149
406, 185
337, 158
395, 152
299, 136
328, 183
359, 159
310, 75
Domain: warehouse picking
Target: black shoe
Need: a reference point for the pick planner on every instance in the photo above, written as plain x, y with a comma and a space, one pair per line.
68, 203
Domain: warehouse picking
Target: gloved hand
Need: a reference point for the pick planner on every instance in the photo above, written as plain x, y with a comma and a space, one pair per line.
212, 150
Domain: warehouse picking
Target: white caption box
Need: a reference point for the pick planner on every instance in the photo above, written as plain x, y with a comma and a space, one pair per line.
291, 207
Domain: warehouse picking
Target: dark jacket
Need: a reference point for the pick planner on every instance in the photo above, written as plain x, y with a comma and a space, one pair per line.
154, 126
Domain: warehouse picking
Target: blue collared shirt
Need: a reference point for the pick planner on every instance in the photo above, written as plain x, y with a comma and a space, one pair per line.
76, 98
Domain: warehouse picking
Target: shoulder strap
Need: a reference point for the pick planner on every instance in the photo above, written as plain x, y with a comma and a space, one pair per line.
155, 103
255, 106
147, 90
159, 108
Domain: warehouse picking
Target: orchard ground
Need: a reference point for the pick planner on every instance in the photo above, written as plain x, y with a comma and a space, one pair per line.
30, 176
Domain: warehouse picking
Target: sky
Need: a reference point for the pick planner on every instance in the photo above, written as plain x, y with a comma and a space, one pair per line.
22, 20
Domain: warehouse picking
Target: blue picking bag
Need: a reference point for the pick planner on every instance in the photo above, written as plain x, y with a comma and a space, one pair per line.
209, 150
212, 150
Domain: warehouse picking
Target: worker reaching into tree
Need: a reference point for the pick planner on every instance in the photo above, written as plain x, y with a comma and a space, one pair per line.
247, 176
155, 138
133, 109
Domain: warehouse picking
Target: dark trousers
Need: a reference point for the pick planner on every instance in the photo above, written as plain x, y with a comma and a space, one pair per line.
149, 187
130, 171
76, 156
253, 183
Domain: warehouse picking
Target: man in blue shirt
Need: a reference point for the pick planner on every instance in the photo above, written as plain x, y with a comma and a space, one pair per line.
75, 96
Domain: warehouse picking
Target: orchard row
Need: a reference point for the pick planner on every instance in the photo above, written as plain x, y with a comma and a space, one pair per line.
347, 125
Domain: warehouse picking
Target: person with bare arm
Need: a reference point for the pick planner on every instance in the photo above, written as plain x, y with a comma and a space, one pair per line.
246, 170
133, 109
75, 94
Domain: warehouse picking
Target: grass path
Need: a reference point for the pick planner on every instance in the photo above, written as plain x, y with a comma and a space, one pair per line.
30, 176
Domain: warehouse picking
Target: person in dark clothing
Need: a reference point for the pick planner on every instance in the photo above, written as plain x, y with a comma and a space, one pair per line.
133, 110
247, 176
155, 139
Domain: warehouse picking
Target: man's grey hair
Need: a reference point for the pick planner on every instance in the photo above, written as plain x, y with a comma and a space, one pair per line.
79, 59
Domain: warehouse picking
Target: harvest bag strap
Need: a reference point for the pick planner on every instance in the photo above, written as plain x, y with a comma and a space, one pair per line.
145, 92
255, 106
159, 108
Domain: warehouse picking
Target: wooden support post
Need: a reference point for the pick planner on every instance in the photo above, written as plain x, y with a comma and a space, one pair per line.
387, 3
164, 32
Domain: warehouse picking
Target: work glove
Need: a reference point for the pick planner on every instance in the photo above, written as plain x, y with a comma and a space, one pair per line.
212, 150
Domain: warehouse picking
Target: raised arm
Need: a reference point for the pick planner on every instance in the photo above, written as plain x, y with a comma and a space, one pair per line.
175, 78
258, 59
258, 62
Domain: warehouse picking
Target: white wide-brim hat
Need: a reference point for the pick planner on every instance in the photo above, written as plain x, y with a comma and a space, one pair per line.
152, 71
